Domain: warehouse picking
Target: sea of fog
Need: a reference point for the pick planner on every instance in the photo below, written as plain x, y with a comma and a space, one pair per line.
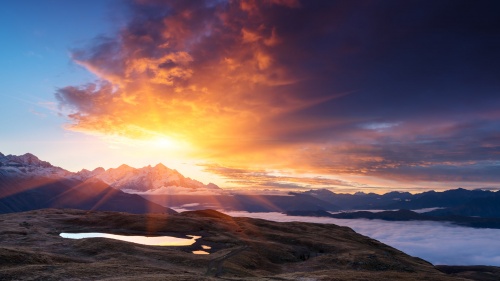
436, 242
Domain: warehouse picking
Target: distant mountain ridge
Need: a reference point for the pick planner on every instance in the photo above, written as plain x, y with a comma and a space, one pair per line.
244, 202
360, 200
147, 179
459, 205
402, 200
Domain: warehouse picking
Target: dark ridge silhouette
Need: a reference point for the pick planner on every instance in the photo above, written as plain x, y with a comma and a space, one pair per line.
474, 272
403, 215
244, 202
452, 198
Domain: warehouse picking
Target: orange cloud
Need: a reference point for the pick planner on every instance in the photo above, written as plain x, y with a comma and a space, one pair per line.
202, 75
283, 84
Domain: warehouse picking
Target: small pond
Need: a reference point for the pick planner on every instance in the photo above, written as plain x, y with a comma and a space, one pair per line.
144, 240
200, 252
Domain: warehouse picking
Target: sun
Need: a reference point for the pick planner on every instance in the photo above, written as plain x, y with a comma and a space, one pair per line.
163, 142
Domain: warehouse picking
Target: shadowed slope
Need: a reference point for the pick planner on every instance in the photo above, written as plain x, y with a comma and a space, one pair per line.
17, 195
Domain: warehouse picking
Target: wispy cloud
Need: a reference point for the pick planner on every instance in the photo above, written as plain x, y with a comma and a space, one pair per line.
37, 113
276, 179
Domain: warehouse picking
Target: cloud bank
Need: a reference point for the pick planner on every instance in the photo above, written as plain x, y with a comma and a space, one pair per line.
370, 92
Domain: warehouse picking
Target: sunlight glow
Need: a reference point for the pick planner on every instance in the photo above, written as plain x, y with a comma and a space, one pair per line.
164, 142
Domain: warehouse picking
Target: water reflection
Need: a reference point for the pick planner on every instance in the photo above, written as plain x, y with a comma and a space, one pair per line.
200, 252
144, 240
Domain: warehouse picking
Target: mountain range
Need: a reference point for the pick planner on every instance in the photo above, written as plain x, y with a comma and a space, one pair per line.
400, 200
168, 188
157, 179
28, 183
29, 166
453, 202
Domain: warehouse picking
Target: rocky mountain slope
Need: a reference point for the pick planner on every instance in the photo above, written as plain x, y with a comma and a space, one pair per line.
157, 179
241, 249
29, 166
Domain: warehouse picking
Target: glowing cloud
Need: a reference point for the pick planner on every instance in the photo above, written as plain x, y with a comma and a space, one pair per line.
356, 89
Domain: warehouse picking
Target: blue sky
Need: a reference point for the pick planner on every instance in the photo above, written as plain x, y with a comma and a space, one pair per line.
36, 60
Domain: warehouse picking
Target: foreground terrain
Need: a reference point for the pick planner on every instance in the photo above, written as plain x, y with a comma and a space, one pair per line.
242, 249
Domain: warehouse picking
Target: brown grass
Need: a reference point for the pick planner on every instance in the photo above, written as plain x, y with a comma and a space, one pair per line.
31, 249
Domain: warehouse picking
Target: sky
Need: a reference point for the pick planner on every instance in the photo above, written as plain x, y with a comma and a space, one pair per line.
268, 95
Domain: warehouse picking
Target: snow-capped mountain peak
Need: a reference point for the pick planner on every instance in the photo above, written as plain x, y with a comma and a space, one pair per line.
157, 179
124, 167
85, 174
160, 166
98, 170
28, 165
149, 178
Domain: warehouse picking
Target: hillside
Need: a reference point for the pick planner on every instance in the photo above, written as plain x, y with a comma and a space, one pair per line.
242, 249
